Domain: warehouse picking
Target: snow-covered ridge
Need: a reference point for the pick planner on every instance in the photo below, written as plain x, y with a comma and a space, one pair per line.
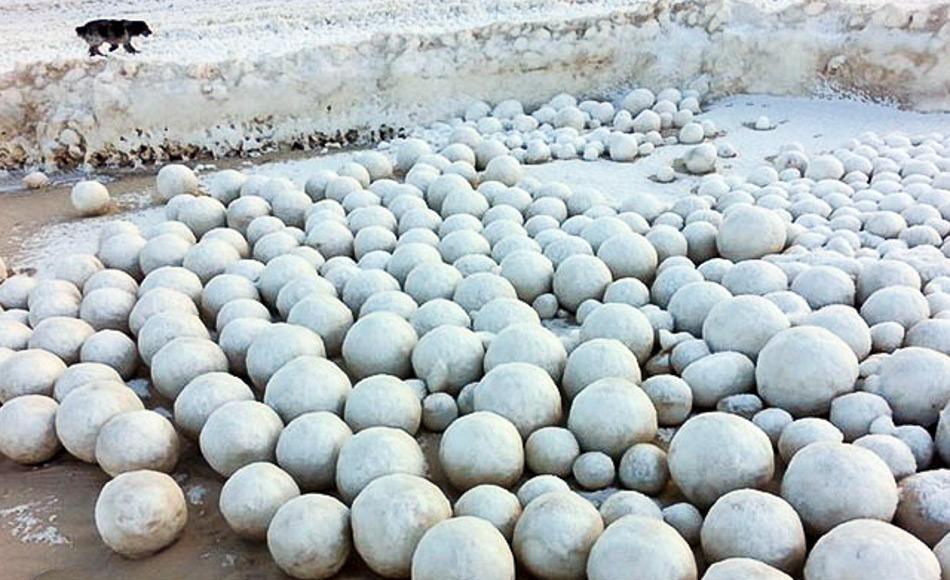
126, 111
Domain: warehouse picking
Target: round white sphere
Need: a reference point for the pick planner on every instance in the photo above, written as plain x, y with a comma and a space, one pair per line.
175, 179
373, 453
480, 448
252, 495
383, 401
29, 372
551, 450
277, 345
28, 429
309, 536
239, 433
715, 453
870, 550
743, 568
379, 343
90, 198
309, 447
391, 516
913, 380
183, 359
816, 475
725, 328
140, 512
527, 343
555, 534
522, 393
447, 358
203, 395
86, 409
137, 440
647, 545
460, 548
306, 384
750, 232
113, 349
921, 508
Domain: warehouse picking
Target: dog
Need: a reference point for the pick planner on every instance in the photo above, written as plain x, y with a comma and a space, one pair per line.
114, 32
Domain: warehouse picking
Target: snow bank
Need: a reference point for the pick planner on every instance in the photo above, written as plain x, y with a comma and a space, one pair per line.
127, 111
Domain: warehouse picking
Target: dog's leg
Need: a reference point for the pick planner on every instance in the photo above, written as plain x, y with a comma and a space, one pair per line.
113, 47
129, 48
94, 50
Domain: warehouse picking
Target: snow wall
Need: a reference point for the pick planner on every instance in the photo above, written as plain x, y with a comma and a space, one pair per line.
129, 112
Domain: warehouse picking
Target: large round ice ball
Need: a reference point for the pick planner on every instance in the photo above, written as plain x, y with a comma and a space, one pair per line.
84, 411
551, 450
140, 512
748, 523
462, 548
744, 568
749, 232
783, 381
651, 547
597, 359
915, 382
555, 534
527, 343
306, 384
137, 440
28, 429
870, 550
579, 278
379, 343
373, 453
492, 503
183, 359
383, 400
621, 322
743, 324
309, 446
816, 476
203, 395
252, 495
447, 358
922, 509
175, 180
89, 198
715, 453
610, 415
522, 393
408, 506
309, 536
481, 448
239, 433
29, 372
277, 345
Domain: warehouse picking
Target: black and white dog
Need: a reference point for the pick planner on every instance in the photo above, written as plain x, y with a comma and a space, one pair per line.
114, 32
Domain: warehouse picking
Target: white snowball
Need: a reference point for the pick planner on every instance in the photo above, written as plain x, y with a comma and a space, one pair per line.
853, 413
803, 432
816, 475
621, 322
305, 384
870, 550
522, 393
28, 430
140, 512
461, 548
113, 349
481, 448
183, 359
719, 375
610, 415
743, 568
596, 359
782, 380
90, 198
137, 440
914, 381
494, 504
527, 343
309, 536
380, 343
309, 447
715, 453
29, 372
239, 433
252, 495
555, 534
672, 398
383, 400
921, 507
750, 232
202, 396
551, 450
61, 336
644, 468
448, 358
86, 409
373, 453
277, 345
579, 278
408, 506
593, 470
647, 545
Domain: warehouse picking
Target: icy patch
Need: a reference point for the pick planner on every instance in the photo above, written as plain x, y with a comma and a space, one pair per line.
32, 523
196, 494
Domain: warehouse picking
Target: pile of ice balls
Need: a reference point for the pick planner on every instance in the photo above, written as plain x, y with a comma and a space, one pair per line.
760, 366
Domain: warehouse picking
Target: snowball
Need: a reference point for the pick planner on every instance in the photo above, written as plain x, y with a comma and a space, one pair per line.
309, 446
750, 232
61, 336
29, 372
501, 313
481, 448
382, 400
629, 255
155, 448
816, 475
596, 359
430, 281
309, 536
715, 453
894, 452
648, 545
14, 335
460, 548
593, 470
277, 345
743, 568
579, 278
183, 359
914, 381
691, 303
671, 396
113, 349
140, 512
305, 384
784, 382
853, 413
555, 534
921, 510
527, 343
436, 313
202, 396
86, 409
610, 415
494, 504
380, 343
700, 159
439, 410
28, 430
478, 289
522, 393
718, 376
803, 432
870, 550
175, 180
448, 358
326, 316
644, 468
621, 322
410, 506
373, 453
252, 495
900, 304
239, 433
90, 198
551, 450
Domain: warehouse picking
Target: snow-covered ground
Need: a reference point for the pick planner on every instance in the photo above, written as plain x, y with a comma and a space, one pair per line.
819, 125
222, 78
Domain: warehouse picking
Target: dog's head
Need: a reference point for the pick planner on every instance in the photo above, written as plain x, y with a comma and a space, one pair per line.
139, 28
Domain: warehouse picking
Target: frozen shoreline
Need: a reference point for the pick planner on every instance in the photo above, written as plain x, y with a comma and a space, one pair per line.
338, 86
